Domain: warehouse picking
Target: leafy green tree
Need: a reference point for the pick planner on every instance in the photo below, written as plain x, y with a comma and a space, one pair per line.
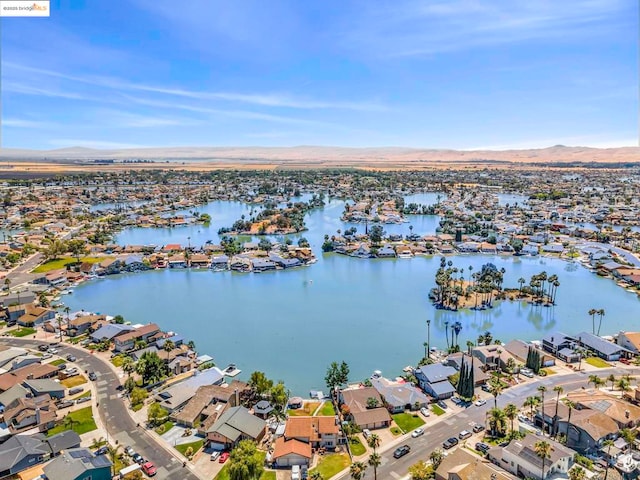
151, 368
260, 383
279, 396
156, 414
119, 319
245, 462
337, 375
421, 471
375, 234
436, 458
265, 244
77, 248
138, 396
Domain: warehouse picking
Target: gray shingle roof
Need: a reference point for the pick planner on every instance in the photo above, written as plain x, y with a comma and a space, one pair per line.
436, 372
18, 447
73, 463
237, 421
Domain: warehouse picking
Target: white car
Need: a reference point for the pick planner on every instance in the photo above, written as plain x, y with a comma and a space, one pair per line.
481, 402
425, 411
417, 432
214, 455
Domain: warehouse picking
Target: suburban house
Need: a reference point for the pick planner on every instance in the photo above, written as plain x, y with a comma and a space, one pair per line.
32, 371
463, 465
494, 357
434, 380
520, 350
601, 347
455, 360
84, 323
36, 412
358, 402
319, 432
398, 397
110, 331
520, 458
8, 354
21, 452
11, 395
291, 452
79, 464
45, 386
177, 395
34, 315
561, 345
234, 425
127, 340
630, 341
22, 361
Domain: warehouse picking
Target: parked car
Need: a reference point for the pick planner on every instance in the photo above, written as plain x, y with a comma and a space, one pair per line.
83, 399
526, 372
366, 433
456, 400
441, 404
149, 468
43, 347
480, 402
464, 434
75, 390
224, 457
478, 428
214, 455
52, 351
46, 356
102, 450
417, 432
137, 458
295, 472
449, 443
62, 366
92, 376
425, 411
482, 447
129, 451
485, 387
66, 404
71, 358
401, 451
304, 472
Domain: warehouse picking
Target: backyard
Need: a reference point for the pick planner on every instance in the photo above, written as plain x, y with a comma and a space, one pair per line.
327, 410
306, 411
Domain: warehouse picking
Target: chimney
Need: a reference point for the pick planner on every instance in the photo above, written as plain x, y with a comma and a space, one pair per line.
37, 415
237, 397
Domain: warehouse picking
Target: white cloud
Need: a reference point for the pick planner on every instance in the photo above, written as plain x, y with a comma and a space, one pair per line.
21, 123
98, 144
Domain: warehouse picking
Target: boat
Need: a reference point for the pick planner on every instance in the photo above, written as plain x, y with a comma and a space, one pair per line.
231, 370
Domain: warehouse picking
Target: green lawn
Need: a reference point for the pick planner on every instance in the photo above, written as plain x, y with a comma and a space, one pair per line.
21, 332
165, 427
597, 362
357, 448
57, 362
395, 431
437, 410
306, 411
62, 262
82, 422
327, 410
196, 446
330, 465
407, 421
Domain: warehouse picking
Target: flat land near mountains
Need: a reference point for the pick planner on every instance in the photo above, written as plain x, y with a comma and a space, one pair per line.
26, 163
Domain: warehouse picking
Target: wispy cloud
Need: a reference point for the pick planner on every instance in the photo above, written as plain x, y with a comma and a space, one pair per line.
414, 28
99, 144
119, 119
22, 123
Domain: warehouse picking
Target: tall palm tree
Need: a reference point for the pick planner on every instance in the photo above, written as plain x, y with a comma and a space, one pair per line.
611, 378
495, 388
532, 402
559, 390
374, 442
593, 312
114, 454
374, 461
167, 347
357, 470
543, 451
570, 405
446, 332
511, 412
542, 389
577, 473
601, 313
128, 365
496, 422
67, 309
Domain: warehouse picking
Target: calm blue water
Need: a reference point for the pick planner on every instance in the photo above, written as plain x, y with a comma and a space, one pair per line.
370, 313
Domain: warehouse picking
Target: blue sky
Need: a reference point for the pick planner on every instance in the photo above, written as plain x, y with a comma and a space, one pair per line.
437, 74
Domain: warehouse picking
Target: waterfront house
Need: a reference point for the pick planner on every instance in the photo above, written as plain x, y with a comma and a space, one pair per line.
602, 348
127, 340
199, 260
562, 346
357, 400
220, 262
520, 458
178, 394
630, 341
434, 380
34, 315
493, 357
56, 278
520, 350
319, 432
262, 264
398, 397
110, 331
81, 324
240, 264
461, 464
177, 261
78, 464
455, 360
234, 425
109, 266
386, 251
134, 263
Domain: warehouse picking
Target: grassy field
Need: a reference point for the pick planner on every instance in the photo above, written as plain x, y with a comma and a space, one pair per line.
21, 331
82, 422
73, 381
327, 410
165, 427
62, 262
57, 362
597, 362
437, 410
357, 448
407, 421
197, 445
332, 464
306, 410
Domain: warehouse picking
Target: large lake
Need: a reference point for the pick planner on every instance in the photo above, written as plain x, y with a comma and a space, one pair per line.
371, 313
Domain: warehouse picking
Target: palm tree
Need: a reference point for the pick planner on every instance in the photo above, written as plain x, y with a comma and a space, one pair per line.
543, 451
577, 473
607, 443
533, 403
374, 442
593, 312
67, 309
511, 412
496, 422
436, 458
601, 313
374, 461
357, 470
542, 389
592, 379
128, 366
622, 384
495, 388
446, 332
570, 405
559, 390
611, 378
167, 347
114, 455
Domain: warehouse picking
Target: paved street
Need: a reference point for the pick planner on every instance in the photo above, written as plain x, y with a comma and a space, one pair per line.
422, 447
114, 415
21, 274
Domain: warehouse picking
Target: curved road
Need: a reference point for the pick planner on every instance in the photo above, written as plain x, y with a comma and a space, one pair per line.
113, 412
434, 435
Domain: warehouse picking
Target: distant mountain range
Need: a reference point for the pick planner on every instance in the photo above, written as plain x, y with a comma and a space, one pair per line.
339, 156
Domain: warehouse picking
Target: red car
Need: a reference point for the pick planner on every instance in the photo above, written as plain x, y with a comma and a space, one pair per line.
224, 457
149, 468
